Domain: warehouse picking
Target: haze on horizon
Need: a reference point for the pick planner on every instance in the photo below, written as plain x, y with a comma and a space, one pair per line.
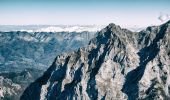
125, 13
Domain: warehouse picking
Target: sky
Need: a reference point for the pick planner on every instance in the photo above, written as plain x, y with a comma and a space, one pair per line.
84, 12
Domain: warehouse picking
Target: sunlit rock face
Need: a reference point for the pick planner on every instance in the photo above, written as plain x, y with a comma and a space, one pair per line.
116, 65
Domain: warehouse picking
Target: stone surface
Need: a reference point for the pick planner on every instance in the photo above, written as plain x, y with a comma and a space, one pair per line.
116, 65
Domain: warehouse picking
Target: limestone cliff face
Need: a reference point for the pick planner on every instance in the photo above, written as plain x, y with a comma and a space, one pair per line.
118, 64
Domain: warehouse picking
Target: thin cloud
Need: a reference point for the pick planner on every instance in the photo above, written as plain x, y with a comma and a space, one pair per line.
163, 17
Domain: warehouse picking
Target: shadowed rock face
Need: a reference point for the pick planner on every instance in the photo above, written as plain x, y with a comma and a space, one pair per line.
118, 64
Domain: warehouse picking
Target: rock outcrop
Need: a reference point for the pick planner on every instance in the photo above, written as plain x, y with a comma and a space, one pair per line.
118, 64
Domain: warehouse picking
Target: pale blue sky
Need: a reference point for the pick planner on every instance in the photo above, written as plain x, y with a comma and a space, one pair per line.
102, 12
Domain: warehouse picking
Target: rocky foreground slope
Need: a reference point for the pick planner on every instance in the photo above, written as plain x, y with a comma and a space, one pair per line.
118, 64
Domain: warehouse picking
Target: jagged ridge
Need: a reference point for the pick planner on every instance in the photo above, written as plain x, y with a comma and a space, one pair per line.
117, 64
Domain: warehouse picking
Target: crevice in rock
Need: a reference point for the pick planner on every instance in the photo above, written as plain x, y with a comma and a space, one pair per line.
58, 76
104, 97
69, 89
91, 90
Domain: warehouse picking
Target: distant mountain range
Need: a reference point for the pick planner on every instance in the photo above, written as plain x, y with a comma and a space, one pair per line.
24, 56
51, 28
59, 28
118, 64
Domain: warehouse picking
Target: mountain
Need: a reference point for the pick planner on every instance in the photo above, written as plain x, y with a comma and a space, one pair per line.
32, 49
12, 84
24, 56
51, 28
117, 64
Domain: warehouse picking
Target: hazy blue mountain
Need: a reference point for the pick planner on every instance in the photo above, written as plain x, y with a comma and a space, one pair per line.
24, 56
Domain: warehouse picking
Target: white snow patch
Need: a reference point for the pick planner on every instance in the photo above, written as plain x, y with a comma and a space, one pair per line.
23, 30
79, 38
71, 29
163, 17
28, 38
64, 28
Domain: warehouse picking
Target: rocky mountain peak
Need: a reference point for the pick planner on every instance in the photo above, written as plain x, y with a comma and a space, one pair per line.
113, 26
117, 64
